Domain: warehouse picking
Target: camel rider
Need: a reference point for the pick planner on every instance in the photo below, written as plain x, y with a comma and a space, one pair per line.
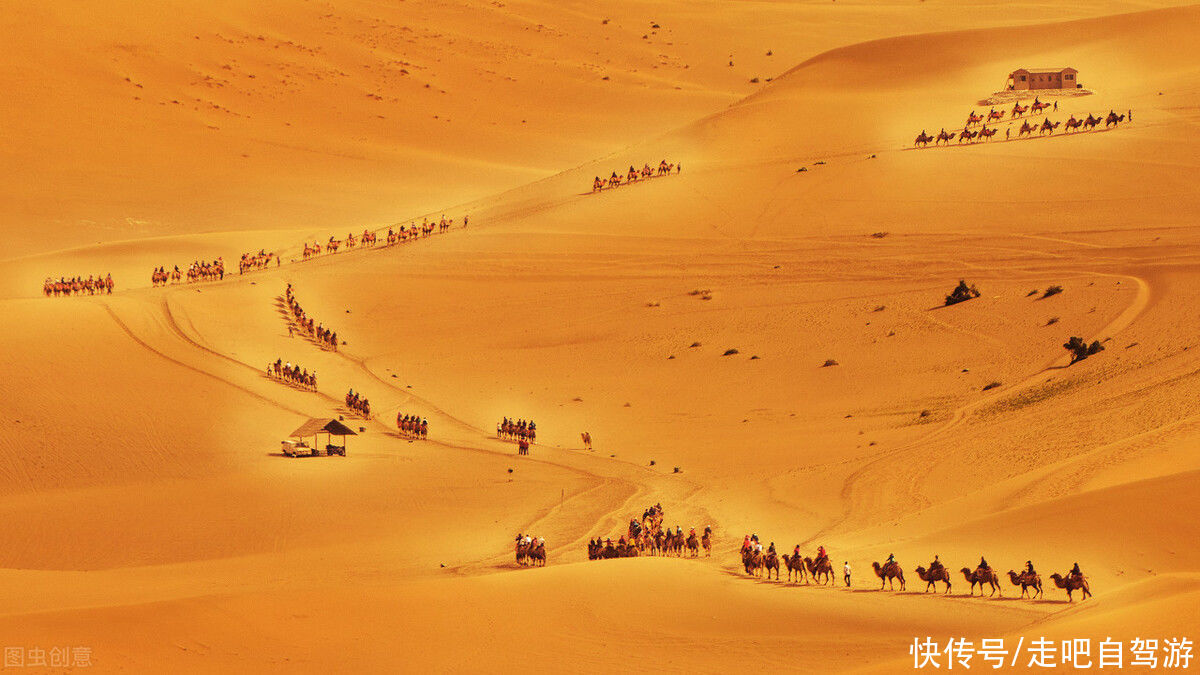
746, 544
983, 564
796, 551
936, 564
1075, 572
821, 555
758, 548
1029, 568
754, 538
891, 559
771, 548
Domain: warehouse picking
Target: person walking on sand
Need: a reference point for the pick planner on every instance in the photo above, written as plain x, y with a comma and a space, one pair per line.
846, 573
1007, 133
1056, 106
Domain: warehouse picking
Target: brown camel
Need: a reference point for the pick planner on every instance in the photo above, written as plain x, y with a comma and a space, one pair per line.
923, 139
819, 569
983, 576
1026, 581
706, 542
1072, 583
693, 545
933, 576
769, 562
887, 572
750, 561
795, 565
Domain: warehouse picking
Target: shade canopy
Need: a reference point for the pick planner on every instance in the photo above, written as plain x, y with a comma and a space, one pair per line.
324, 425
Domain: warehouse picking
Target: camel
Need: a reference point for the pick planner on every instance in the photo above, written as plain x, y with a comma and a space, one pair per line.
819, 569
1072, 583
1091, 121
1026, 128
967, 135
887, 572
1073, 124
769, 562
538, 555
706, 542
1038, 106
994, 114
795, 564
986, 133
1047, 127
587, 440
1113, 119
751, 561
1026, 581
933, 576
944, 135
1018, 110
983, 576
923, 139
693, 545
973, 119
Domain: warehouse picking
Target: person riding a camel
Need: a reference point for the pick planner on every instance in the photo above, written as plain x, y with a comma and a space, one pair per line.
746, 544
821, 555
771, 548
796, 551
1075, 573
983, 564
1029, 567
891, 558
936, 564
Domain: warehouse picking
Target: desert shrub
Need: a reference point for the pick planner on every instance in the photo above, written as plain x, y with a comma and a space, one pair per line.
879, 235
1052, 320
1080, 349
730, 352
1053, 290
961, 293
991, 385
828, 363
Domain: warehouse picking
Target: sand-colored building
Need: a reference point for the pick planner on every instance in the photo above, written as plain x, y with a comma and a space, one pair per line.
1043, 78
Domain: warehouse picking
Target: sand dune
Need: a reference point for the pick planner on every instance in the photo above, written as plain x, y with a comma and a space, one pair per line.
684, 321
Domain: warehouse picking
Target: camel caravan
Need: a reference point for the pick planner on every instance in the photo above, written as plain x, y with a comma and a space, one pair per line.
646, 536
324, 337
293, 375
1028, 128
634, 175
358, 404
257, 261
199, 270
524, 433
369, 239
93, 285
412, 426
531, 551
760, 563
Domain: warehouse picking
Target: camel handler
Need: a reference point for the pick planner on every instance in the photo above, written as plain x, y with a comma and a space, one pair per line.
846, 572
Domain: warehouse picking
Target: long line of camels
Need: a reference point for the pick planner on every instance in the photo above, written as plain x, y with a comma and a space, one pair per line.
969, 134
647, 536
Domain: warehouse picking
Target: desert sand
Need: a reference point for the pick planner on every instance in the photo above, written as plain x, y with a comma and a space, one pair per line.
151, 519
